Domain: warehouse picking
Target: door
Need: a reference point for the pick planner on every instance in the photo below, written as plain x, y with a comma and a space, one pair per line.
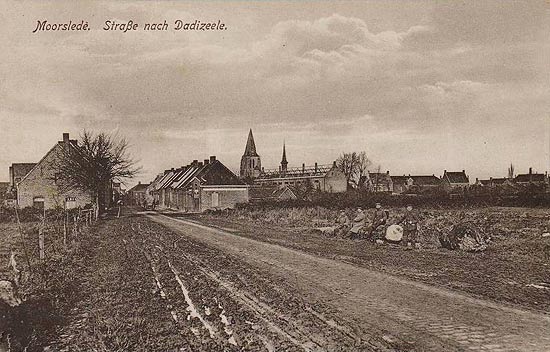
38, 203
215, 199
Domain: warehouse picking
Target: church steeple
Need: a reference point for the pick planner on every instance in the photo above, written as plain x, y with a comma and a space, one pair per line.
251, 164
284, 163
250, 149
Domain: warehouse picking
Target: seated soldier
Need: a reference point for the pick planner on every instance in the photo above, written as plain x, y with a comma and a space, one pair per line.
379, 220
358, 224
342, 223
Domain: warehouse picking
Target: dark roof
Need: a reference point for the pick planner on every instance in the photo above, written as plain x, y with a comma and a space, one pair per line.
530, 178
380, 176
211, 173
493, 181
399, 179
140, 187
430, 180
250, 149
456, 177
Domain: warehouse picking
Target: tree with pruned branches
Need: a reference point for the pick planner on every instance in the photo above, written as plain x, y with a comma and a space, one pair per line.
91, 165
354, 165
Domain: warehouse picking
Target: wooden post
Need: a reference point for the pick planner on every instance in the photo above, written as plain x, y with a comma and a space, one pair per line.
41, 244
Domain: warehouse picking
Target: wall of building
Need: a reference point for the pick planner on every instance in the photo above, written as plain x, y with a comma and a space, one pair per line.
40, 183
335, 181
227, 197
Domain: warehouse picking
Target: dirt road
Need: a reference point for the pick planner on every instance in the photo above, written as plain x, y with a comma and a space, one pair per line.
349, 303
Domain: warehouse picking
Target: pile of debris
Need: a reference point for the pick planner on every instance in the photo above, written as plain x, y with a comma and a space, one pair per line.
465, 236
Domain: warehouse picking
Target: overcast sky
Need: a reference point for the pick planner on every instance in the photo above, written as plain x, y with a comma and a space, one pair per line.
420, 86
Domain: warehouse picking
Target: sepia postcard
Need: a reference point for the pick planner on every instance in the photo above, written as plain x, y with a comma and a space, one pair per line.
275, 175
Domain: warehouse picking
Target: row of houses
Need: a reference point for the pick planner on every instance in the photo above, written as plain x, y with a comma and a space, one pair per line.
449, 181
196, 187
384, 182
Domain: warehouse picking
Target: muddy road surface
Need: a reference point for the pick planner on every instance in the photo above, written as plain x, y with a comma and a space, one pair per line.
289, 300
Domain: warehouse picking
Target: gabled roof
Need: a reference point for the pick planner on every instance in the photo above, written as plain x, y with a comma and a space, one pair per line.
140, 187
399, 179
530, 178
72, 143
455, 177
271, 193
379, 177
211, 172
493, 181
430, 180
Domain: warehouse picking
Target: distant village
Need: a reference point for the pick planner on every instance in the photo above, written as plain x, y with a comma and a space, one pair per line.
209, 184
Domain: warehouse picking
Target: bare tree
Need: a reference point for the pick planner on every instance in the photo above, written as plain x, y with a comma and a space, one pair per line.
363, 164
354, 165
93, 164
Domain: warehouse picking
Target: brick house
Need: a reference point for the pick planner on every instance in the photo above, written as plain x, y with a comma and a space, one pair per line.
199, 186
40, 188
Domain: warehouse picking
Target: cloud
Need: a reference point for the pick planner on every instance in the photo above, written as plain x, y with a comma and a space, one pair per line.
445, 79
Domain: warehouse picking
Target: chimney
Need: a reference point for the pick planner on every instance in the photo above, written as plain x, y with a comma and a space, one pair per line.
334, 164
195, 163
212, 158
205, 161
139, 182
263, 169
530, 170
388, 172
315, 167
200, 164
65, 137
463, 171
303, 168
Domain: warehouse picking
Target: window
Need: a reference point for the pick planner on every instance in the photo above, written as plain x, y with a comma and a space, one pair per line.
70, 202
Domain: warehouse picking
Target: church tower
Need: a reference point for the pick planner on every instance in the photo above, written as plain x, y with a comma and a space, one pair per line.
284, 163
251, 165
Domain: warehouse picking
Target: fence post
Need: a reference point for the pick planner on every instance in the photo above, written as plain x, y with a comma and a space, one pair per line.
41, 243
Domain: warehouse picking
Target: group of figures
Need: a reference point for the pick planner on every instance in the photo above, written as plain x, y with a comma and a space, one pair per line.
376, 229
